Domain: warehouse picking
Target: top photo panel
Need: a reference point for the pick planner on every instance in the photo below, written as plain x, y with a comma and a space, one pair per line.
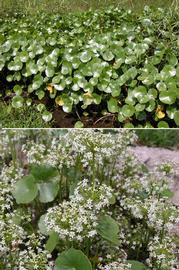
89, 64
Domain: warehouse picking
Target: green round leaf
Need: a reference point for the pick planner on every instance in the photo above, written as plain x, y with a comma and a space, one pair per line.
48, 191
139, 107
43, 172
113, 105
42, 226
66, 68
161, 86
40, 94
168, 72
52, 242
37, 82
32, 68
18, 90
171, 110
108, 228
167, 97
72, 259
40, 107
152, 93
24, 56
136, 265
128, 125
108, 56
85, 56
17, 102
150, 106
67, 107
79, 124
128, 110
163, 124
176, 117
50, 71
141, 94
25, 190
47, 116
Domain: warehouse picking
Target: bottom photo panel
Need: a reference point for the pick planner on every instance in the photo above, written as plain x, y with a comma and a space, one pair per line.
94, 199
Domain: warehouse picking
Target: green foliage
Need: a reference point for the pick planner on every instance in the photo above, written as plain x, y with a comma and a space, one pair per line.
167, 193
108, 228
135, 265
79, 124
25, 117
163, 138
107, 210
43, 172
43, 180
52, 242
112, 58
34, 6
72, 259
42, 227
25, 190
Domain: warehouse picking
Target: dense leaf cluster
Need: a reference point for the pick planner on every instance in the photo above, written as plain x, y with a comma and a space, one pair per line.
113, 59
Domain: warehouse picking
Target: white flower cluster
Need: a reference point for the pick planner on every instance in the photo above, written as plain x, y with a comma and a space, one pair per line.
162, 254
157, 214
98, 175
117, 265
77, 219
11, 235
33, 256
160, 215
17, 252
8, 176
94, 149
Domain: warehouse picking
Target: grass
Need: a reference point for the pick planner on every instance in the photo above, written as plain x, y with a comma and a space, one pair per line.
21, 118
161, 138
32, 6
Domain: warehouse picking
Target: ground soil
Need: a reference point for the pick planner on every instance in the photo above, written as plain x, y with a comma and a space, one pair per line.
93, 120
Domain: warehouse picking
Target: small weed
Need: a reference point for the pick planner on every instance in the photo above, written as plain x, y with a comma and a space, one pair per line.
26, 117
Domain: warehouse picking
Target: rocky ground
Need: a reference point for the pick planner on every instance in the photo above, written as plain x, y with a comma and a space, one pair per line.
153, 156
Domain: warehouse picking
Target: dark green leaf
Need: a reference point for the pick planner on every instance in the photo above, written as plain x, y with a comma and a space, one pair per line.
43, 172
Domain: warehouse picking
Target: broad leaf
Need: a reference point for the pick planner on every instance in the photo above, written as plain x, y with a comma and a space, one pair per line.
167, 97
108, 228
135, 265
41, 225
176, 118
72, 259
43, 172
52, 242
113, 105
48, 191
17, 102
47, 116
25, 190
